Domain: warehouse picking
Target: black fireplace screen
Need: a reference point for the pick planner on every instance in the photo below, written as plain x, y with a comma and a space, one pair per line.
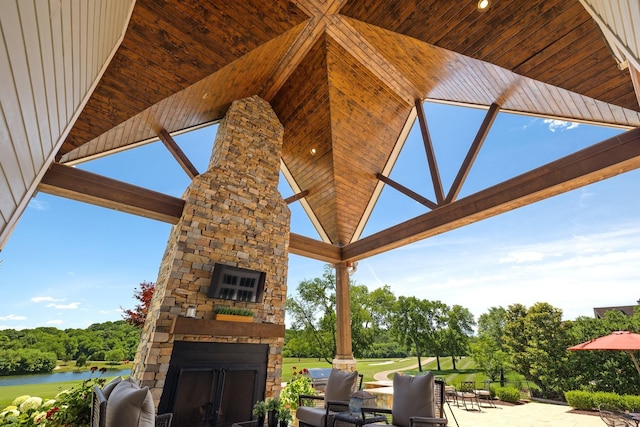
212, 384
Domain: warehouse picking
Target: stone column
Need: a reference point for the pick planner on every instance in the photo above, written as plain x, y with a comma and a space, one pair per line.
233, 215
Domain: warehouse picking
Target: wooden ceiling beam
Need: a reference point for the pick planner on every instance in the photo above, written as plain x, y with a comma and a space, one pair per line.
431, 155
600, 161
407, 192
177, 153
311, 248
297, 196
88, 187
476, 145
314, 28
360, 48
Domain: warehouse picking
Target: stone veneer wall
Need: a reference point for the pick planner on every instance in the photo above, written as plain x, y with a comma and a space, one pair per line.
233, 215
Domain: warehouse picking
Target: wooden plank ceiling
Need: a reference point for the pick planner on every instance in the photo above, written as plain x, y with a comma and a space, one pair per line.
343, 77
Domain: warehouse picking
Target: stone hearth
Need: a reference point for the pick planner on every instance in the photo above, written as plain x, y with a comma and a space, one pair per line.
233, 215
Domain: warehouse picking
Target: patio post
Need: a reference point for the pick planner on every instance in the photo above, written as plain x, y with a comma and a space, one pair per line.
344, 352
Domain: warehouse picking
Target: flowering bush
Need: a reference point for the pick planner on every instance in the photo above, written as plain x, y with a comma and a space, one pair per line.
300, 384
70, 407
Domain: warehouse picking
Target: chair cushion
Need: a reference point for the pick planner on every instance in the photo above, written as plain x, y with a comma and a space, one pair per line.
311, 415
131, 406
412, 397
108, 388
340, 385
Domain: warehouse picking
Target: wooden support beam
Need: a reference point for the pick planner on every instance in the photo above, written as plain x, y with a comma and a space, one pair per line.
600, 161
311, 248
83, 186
295, 197
177, 153
431, 155
472, 153
77, 184
404, 190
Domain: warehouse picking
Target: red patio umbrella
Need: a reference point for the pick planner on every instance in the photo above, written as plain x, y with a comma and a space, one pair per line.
618, 340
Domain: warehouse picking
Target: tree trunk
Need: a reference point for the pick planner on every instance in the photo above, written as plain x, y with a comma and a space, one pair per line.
453, 362
419, 359
438, 361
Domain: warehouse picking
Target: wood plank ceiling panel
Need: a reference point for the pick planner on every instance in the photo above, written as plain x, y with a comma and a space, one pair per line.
204, 101
169, 46
510, 35
444, 75
366, 117
305, 95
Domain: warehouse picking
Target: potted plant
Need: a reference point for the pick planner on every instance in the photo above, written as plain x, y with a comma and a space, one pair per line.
285, 417
233, 314
260, 411
273, 407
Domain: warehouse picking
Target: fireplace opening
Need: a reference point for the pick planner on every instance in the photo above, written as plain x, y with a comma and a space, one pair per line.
214, 384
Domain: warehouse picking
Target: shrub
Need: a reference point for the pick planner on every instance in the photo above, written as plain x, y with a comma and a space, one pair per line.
579, 399
632, 403
508, 394
607, 398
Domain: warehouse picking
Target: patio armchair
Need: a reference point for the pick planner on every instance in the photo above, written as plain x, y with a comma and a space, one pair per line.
615, 417
417, 402
318, 411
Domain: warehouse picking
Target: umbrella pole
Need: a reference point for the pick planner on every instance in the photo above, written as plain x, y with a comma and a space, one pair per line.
635, 362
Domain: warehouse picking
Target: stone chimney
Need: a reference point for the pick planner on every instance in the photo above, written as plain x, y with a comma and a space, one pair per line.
233, 215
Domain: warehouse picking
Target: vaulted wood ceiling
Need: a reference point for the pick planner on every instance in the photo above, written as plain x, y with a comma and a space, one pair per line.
343, 78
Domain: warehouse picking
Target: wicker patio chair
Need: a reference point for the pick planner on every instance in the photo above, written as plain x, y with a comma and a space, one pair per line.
318, 411
417, 402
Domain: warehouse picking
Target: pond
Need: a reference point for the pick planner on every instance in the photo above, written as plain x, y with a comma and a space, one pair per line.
58, 377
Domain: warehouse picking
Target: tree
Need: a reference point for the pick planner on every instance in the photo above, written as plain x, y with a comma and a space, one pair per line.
459, 329
138, 315
313, 314
418, 323
489, 350
537, 342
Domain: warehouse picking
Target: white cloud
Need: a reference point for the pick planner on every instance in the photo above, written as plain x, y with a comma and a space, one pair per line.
70, 306
12, 317
55, 322
560, 125
522, 256
38, 205
45, 299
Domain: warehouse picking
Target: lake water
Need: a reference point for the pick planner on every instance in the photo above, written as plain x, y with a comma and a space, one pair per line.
58, 377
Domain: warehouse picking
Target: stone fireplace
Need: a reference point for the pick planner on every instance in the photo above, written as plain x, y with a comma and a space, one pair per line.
234, 215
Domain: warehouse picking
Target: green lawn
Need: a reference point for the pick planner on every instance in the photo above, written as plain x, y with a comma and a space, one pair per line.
466, 371
45, 391
367, 367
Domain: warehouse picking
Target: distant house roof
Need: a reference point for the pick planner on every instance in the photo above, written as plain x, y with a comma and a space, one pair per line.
626, 309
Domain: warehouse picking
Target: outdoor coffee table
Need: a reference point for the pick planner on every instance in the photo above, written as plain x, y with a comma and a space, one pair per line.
348, 419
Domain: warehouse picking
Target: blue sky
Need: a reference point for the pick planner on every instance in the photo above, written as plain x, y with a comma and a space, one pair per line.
69, 264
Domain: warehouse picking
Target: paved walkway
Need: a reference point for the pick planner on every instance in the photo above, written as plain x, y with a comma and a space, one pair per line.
531, 414
384, 375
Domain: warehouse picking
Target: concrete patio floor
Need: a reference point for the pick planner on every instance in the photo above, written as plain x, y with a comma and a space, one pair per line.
531, 414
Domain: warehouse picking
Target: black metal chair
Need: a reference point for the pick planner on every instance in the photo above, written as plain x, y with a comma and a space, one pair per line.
615, 417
